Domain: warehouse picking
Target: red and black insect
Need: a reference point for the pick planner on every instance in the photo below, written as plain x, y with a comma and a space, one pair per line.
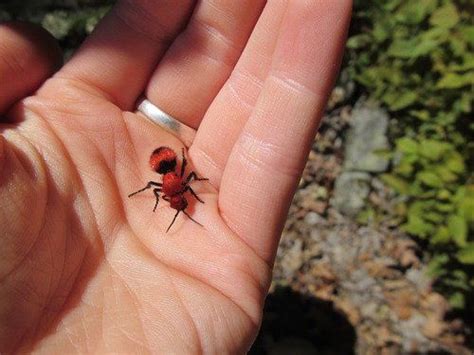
173, 186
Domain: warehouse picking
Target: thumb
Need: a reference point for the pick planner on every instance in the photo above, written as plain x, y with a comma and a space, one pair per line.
28, 55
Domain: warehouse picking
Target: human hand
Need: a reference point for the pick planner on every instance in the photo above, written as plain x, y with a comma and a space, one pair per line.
84, 268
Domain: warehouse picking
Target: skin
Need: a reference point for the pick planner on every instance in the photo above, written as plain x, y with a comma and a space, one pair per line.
85, 269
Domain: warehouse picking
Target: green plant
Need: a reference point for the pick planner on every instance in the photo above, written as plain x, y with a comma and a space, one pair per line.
417, 58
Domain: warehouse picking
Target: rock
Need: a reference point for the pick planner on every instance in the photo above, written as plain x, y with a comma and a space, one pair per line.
369, 241
402, 302
293, 258
409, 258
350, 311
323, 271
437, 305
405, 252
313, 198
313, 205
410, 331
433, 328
377, 268
365, 138
337, 96
343, 90
385, 336
419, 278
351, 191
392, 285
368, 309
324, 292
312, 219
362, 280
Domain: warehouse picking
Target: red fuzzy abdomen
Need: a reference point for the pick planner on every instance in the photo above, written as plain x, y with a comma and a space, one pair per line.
163, 160
172, 184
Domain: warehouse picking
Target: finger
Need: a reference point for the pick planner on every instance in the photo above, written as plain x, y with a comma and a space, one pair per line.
233, 105
119, 57
275, 141
202, 57
28, 56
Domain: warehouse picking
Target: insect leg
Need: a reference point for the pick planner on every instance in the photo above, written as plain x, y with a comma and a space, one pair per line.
188, 188
193, 176
156, 192
184, 163
148, 186
191, 218
174, 219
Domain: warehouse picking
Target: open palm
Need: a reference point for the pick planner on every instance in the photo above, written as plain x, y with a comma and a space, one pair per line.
84, 268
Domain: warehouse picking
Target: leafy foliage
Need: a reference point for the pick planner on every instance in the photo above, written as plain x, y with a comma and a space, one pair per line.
417, 57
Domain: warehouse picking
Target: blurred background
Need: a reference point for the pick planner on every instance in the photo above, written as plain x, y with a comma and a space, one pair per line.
377, 255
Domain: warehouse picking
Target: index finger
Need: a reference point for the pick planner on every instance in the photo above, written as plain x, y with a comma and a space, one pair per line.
273, 145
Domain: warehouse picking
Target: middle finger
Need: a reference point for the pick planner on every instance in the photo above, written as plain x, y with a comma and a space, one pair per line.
202, 58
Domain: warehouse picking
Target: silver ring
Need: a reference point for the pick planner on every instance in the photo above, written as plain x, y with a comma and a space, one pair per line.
153, 113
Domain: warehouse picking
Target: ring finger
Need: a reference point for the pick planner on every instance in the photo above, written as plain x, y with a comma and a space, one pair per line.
202, 57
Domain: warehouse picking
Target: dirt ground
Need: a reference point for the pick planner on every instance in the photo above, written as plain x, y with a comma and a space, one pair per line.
342, 288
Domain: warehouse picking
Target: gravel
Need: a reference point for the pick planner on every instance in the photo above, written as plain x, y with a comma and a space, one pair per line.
339, 287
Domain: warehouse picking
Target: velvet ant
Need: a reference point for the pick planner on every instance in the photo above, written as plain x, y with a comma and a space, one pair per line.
173, 186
